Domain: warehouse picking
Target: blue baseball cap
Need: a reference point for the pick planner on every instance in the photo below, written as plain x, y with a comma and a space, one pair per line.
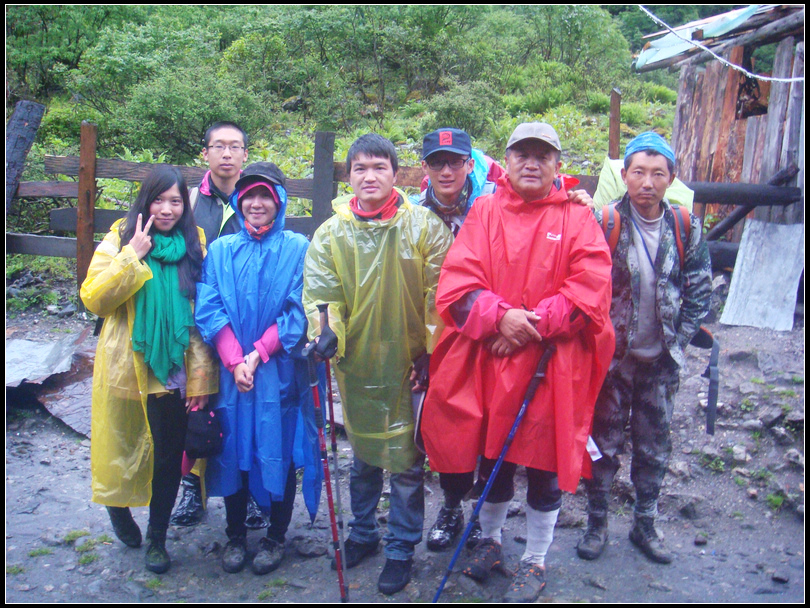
449, 139
649, 140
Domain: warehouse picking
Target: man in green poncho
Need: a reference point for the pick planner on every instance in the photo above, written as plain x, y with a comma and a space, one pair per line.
376, 263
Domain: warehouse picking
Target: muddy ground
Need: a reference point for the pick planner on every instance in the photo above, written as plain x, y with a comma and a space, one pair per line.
732, 509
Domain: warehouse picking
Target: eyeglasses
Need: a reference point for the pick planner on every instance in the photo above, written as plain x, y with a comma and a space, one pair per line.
436, 164
219, 148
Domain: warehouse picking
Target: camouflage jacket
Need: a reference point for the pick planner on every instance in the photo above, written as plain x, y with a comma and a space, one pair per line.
682, 296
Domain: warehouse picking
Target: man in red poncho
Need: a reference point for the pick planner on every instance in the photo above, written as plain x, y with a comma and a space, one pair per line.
527, 266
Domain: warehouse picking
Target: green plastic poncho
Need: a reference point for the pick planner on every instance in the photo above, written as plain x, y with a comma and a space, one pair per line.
612, 188
379, 279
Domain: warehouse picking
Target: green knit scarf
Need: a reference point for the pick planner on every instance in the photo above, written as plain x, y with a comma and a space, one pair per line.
162, 312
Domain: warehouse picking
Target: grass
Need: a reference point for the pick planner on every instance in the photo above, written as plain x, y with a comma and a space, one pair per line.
747, 405
740, 481
74, 535
713, 464
757, 381
775, 501
269, 588
88, 558
797, 380
153, 583
763, 475
14, 569
86, 546
39, 552
787, 393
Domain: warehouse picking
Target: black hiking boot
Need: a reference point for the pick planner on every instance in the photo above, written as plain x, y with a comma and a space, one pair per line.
449, 524
157, 559
190, 511
475, 536
395, 576
124, 526
644, 536
591, 545
355, 552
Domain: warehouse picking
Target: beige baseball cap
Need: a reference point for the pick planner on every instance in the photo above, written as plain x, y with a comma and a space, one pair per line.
535, 130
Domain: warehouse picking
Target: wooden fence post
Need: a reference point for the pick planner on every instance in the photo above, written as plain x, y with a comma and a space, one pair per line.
323, 178
87, 200
615, 123
20, 133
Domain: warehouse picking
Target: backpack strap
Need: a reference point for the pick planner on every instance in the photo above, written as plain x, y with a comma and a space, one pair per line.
611, 226
192, 197
683, 226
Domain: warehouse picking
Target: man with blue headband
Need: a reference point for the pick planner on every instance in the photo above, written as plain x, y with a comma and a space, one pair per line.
661, 290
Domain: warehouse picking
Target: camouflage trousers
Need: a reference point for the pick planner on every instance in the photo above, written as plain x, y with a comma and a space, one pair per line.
644, 392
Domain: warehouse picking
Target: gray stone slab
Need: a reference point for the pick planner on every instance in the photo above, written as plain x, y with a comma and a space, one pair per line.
766, 276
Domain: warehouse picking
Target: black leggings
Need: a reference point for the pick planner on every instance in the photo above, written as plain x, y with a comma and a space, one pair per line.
168, 421
280, 511
543, 493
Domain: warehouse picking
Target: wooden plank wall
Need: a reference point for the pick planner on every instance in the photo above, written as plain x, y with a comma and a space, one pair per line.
711, 145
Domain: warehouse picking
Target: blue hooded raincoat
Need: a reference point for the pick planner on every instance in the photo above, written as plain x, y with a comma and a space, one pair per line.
253, 284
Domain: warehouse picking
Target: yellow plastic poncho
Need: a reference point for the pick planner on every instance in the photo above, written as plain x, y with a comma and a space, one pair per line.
379, 279
121, 451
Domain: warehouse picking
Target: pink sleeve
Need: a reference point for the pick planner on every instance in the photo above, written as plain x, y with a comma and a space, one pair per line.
268, 344
485, 314
559, 317
228, 348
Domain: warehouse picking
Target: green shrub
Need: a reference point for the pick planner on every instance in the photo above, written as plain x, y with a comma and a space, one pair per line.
633, 114
659, 93
467, 106
598, 103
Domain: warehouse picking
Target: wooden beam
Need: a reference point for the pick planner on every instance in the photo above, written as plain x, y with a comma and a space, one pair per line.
324, 188
32, 244
409, 177
87, 200
66, 220
137, 172
615, 122
20, 133
48, 190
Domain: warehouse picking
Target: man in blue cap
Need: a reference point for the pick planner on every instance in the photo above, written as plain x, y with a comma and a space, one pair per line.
659, 297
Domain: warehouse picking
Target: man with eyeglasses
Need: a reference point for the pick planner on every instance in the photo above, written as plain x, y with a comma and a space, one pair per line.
457, 175
527, 267
225, 151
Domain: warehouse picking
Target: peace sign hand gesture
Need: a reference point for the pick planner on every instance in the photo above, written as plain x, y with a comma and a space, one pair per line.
141, 241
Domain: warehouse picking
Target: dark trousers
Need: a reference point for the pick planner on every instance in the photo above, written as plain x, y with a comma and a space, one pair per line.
167, 422
543, 493
280, 511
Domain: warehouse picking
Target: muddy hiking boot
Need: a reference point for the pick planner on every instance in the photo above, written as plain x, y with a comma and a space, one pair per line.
355, 552
487, 556
157, 559
591, 545
529, 581
269, 556
449, 524
190, 511
234, 555
475, 536
644, 536
124, 526
395, 576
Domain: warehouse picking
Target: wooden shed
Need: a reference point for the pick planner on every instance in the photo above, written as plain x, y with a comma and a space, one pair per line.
729, 127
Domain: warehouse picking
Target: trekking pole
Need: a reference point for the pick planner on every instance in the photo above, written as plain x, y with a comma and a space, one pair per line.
309, 353
538, 376
324, 310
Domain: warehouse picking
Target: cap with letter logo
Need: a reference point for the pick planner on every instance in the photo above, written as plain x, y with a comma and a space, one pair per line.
449, 139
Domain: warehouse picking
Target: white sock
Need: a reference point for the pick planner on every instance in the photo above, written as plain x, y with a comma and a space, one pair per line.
539, 534
492, 517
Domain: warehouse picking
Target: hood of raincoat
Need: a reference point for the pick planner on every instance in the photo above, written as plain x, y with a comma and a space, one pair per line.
262, 172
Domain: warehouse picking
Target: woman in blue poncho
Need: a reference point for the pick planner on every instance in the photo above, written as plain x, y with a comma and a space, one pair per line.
249, 307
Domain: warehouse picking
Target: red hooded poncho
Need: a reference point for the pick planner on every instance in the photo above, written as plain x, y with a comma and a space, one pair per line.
546, 255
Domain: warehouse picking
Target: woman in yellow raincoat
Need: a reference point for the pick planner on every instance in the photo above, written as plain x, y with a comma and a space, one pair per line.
151, 365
